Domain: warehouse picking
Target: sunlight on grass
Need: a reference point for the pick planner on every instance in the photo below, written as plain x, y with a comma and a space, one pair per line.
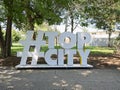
102, 51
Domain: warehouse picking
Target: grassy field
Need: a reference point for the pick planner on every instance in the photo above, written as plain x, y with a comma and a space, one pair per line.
94, 50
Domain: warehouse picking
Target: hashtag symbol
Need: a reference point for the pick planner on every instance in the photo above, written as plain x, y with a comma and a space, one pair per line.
27, 44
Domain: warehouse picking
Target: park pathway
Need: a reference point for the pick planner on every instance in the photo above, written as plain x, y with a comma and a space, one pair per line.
59, 79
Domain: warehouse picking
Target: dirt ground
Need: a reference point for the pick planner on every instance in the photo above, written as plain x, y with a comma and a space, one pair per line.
98, 61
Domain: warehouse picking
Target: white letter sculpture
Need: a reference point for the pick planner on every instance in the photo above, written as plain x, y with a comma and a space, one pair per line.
77, 40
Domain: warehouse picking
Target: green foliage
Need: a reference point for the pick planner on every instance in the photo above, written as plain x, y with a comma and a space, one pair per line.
116, 44
16, 36
38, 11
26, 13
2, 12
118, 38
102, 13
105, 13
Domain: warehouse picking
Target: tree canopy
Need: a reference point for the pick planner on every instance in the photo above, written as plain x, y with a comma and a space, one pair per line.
26, 13
104, 14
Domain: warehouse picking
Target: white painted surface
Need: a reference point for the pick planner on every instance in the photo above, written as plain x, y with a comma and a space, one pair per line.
66, 49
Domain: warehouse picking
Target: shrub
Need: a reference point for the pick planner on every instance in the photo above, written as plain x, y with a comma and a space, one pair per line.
116, 44
16, 36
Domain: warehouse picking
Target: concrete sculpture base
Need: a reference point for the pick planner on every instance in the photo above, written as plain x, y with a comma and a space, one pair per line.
45, 66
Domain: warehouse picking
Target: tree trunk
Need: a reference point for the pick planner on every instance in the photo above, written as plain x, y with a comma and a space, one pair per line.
2, 43
29, 15
8, 36
66, 24
109, 38
31, 23
72, 23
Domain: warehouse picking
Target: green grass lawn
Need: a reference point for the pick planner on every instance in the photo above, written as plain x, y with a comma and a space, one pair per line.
101, 50
16, 47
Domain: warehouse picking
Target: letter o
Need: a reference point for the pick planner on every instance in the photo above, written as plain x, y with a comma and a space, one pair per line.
62, 38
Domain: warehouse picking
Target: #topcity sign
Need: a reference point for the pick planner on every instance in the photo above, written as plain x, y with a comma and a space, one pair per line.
78, 40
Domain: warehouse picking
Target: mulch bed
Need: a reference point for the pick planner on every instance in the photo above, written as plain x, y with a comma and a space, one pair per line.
111, 61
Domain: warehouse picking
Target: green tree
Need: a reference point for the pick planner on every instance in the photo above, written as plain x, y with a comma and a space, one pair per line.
8, 12
39, 11
27, 13
74, 14
103, 13
6, 16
